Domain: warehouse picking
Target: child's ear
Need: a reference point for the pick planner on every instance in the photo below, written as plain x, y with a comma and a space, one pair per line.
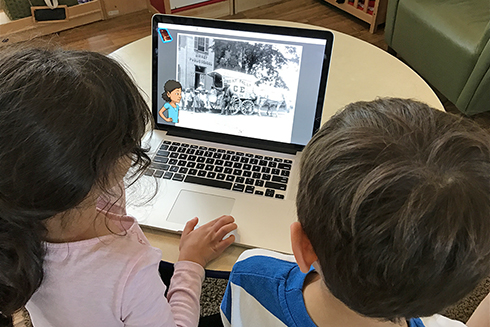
302, 248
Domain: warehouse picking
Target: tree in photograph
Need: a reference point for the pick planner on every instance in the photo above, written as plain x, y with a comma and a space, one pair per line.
262, 60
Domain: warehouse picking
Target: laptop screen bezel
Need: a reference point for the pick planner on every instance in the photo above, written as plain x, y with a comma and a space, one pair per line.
242, 26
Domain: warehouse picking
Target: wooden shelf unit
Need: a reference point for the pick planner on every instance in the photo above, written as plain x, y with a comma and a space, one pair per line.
26, 28
377, 17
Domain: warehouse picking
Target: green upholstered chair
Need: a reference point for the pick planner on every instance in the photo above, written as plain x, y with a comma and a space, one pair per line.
448, 43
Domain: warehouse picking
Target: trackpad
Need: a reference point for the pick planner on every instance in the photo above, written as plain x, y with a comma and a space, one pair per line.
206, 207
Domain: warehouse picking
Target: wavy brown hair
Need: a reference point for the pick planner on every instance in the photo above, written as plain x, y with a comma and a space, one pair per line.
395, 199
66, 120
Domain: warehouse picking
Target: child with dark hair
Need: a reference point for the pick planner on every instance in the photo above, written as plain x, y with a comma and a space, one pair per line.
71, 124
172, 93
393, 206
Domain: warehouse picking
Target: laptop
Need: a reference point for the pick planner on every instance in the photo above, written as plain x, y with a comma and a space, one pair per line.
234, 104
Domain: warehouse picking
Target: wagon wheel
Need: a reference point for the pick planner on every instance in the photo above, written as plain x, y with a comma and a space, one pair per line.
264, 109
248, 107
234, 105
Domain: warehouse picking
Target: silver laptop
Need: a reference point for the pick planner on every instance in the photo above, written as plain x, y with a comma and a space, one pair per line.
234, 104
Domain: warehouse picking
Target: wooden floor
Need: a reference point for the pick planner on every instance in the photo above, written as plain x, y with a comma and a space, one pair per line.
109, 35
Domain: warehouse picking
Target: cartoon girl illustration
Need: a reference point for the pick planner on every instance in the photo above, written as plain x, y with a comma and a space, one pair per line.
172, 93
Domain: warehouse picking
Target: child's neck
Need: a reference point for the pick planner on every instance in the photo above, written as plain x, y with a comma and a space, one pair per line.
78, 224
327, 311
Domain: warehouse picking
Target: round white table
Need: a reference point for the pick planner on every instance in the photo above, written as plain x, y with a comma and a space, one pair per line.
358, 71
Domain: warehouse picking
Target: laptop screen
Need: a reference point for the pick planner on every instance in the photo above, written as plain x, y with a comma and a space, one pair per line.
246, 84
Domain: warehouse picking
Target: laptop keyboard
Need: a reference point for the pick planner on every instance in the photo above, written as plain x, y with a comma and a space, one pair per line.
232, 170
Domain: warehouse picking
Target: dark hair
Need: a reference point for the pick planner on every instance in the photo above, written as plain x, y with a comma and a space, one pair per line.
67, 118
169, 86
395, 199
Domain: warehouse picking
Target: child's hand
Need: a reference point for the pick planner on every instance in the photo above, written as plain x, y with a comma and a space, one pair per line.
206, 243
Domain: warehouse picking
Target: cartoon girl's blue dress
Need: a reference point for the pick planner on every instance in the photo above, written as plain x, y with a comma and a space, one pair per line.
173, 113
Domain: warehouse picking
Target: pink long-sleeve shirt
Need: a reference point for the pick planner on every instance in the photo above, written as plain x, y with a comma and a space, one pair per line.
113, 281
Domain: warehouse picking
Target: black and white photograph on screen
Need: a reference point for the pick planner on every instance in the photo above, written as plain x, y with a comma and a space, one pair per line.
239, 87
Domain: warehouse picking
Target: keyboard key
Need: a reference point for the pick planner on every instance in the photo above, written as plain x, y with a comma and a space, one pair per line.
173, 161
237, 165
247, 173
221, 151
193, 146
288, 161
208, 182
210, 161
256, 175
160, 159
190, 151
247, 166
238, 187
269, 193
181, 163
219, 162
244, 160
249, 181
280, 179
199, 152
268, 158
235, 158
240, 154
275, 171
191, 164
167, 142
178, 177
285, 173
220, 176
259, 183
266, 177
208, 154
257, 156
200, 166
183, 170
249, 155
217, 155
266, 170
183, 156
277, 159
228, 164
230, 178
149, 172
263, 163
272, 164
230, 152
164, 147
226, 157
249, 189
253, 161
176, 143
192, 172
218, 169
168, 175
276, 186
158, 173
173, 148
181, 150
256, 168
209, 167
284, 166
158, 166
192, 158
185, 145
279, 196
201, 147
228, 171
212, 149
200, 159
259, 192
174, 168
240, 179
163, 153
211, 174
237, 172
174, 155
201, 173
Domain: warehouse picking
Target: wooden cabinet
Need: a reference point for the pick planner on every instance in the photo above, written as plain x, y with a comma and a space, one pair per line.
26, 28
371, 11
